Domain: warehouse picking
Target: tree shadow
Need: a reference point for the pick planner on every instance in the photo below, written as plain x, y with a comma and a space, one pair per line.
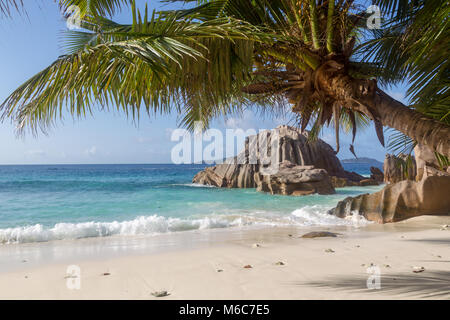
445, 241
430, 284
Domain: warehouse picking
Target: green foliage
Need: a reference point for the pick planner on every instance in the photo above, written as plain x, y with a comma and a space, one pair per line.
216, 57
93, 7
414, 45
159, 62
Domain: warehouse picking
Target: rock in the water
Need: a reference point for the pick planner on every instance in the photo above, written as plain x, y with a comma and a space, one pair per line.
399, 168
320, 234
339, 182
228, 175
368, 182
376, 174
401, 200
295, 180
293, 146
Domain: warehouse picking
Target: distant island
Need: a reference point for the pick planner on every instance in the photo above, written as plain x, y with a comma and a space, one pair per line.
363, 160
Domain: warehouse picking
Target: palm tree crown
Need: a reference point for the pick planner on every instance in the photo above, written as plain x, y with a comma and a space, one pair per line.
213, 58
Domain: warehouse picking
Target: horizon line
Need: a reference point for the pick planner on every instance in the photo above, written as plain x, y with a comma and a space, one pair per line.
133, 163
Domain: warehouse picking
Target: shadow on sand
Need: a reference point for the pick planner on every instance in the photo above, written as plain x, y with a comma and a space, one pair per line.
442, 241
430, 284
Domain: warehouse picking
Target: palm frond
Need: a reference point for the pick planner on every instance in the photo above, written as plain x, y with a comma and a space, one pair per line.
157, 63
399, 143
413, 45
95, 7
8, 6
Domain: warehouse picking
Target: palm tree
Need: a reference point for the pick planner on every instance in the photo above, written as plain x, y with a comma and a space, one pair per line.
212, 59
413, 44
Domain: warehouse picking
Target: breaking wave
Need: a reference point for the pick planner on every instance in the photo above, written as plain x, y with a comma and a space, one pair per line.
149, 225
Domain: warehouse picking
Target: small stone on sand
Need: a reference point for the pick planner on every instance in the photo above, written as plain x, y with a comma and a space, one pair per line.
248, 267
279, 263
256, 245
160, 294
418, 269
329, 250
320, 234
106, 274
219, 270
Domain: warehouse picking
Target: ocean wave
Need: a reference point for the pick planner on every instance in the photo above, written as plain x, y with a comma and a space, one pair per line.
316, 215
194, 185
149, 225
139, 226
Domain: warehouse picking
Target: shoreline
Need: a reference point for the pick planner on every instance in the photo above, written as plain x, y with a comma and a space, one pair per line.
187, 264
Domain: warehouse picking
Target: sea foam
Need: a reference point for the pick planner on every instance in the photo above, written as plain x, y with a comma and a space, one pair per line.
150, 225
140, 226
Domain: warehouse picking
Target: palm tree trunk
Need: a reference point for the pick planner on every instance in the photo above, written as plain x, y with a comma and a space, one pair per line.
425, 130
364, 96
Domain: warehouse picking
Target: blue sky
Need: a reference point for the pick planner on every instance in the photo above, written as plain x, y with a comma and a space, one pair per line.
31, 42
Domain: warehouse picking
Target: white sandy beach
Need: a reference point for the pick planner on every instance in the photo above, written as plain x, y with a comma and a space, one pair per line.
189, 270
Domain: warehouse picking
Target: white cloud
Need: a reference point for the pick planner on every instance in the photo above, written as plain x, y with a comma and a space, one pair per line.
248, 120
92, 151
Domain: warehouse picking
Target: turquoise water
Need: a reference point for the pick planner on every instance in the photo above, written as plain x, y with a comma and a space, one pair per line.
51, 202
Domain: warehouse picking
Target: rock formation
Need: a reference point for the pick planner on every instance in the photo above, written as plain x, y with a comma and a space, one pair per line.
368, 182
376, 174
292, 147
291, 179
427, 164
396, 169
399, 201
228, 175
